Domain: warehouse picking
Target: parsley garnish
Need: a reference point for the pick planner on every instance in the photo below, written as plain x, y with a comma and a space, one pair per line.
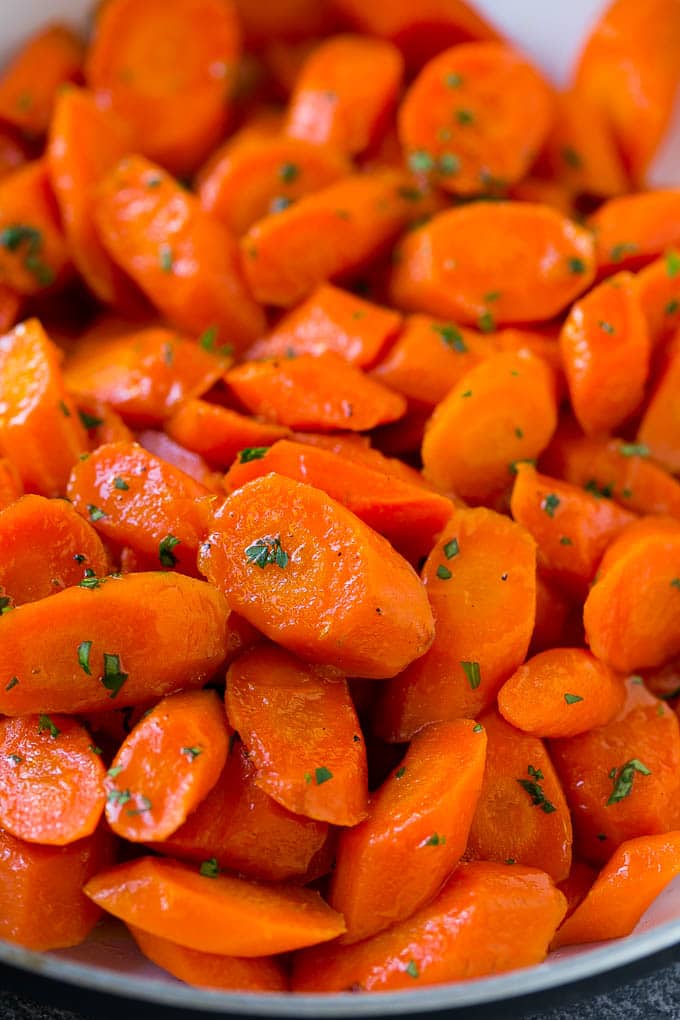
571, 699
434, 840
209, 868
623, 779
606, 327
576, 266
192, 752
603, 492
451, 336
420, 162
266, 551
571, 157
675, 583
84, 656
672, 307
252, 453
535, 791
90, 421
477, 728
486, 322
672, 263
279, 203
464, 116
45, 723
165, 553
144, 805
95, 513
120, 483
165, 258
115, 771
208, 339
619, 251
64, 409
449, 164
565, 540
451, 549
512, 466
11, 683
453, 80
443, 573
13, 237
113, 678
322, 775
289, 172
550, 504
119, 797
634, 450
473, 674
400, 772
412, 969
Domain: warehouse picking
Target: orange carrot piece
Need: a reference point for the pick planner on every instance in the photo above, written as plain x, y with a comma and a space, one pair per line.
314, 578
619, 779
658, 291
416, 831
13, 153
42, 905
10, 308
209, 970
33, 254
475, 117
481, 582
632, 230
213, 913
488, 919
181, 257
577, 884
554, 610
332, 320
561, 692
192, 464
316, 393
455, 267
218, 433
500, 413
283, 19
10, 483
659, 429
51, 780
40, 431
302, 732
354, 447
103, 424
132, 639
30, 85
327, 235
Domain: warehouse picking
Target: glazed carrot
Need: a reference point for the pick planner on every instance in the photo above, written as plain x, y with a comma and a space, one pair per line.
218, 433
136, 499
42, 905
605, 351
629, 67
246, 179
186, 737
102, 423
488, 919
244, 829
192, 464
332, 319
33, 253
659, 430
13, 153
554, 613
416, 831
634, 876
144, 374
10, 308
475, 117
620, 779
30, 85
208, 970
632, 230
455, 267
632, 614
327, 235
481, 582
577, 884
301, 730
540, 191
210, 912
561, 692
658, 291
283, 19
40, 431
131, 639
345, 93
46, 546
315, 579
500, 413
10, 483
354, 447
521, 813
572, 527
409, 516
176, 101
184, 260
51, 780
320, 392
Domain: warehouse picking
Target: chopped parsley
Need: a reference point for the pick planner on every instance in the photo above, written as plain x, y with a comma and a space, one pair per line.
451, 549
600, 492
453, 80
606, 327
120, 483
435, 840
166, 259
119, 797
565, 540
675, 583
571, 157
473, 674
11, 683
576, 266
12, 238
192, 752
64, 409
623, 779
266, 551
400, 772
619, 251
208, 339
209, 868
672, 263
571, 699
412, 969
95, 513
322, 775
420, 162
443, 573
464, 116
550, 504
165, 554
449, 164
90, 421
113, 678
486, 322
46, 724
634, 450
279, 203
451, 336
144, 805
84, 656
289, 172
477, 728
535, 790
672, 307
252, 453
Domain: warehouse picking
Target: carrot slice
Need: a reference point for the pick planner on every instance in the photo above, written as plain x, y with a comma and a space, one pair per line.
475, 117
218, 433
302, 733
209, 970
133, 638
33, 255
187, 736
416, 831
211, 912
181, 257
10, 483
192, 464
30, 84
658, 290
632, 230
454, 266
659, 429
481, 582
488, 919
576, 884
314, 578
555, 613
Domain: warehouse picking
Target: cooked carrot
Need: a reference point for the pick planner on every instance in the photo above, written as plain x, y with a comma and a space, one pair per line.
327, 235
51, 780
409, 516
139, 500
356, 448
493, 262
42, 905
213, 913
218, 433
521, 814
475, 117
10, 308
209, 970
168, 72
416, 831
131, 639
577, 884
630, 68
185, 736
10, 483
619, 779
33, 254
632, 230
572, 527
314, 578
659, 430
632, 614
320, 392
30, 85
192, 464
500, 413
481, 582
658, 290
301, 730
331, 319
561, 692
13, 151
554, 615
184, 260
283, 19
40, 431
488, 919
540, 191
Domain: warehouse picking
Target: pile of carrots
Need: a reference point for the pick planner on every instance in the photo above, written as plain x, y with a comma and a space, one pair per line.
339, 495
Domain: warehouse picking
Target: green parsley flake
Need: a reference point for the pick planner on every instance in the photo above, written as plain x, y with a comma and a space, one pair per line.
266, 551
550, 504
451, 336
252, 453
486, 322
45, 723
113, 678
192, 752
443, 573
473, 674
619, 251
289, 172
209, 868
322, 775
64, 409
208, 339
449, 164
12, 683
90, 421
477, 728
600, 492
464, 116
166, 259
412, 969
533, 788
95, 513
115, 771
565, 540
572, 158
571, 699
420, 162
453, 80
435, 840
672, 307
279, 203
513, 466
451, 549
144, 805
120, 483
84, 656
165, 554
119, 797
606, 327
623, 779
519, 433
576, 266
400, 772
12, 238
675, 583
672, 263
634, 450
